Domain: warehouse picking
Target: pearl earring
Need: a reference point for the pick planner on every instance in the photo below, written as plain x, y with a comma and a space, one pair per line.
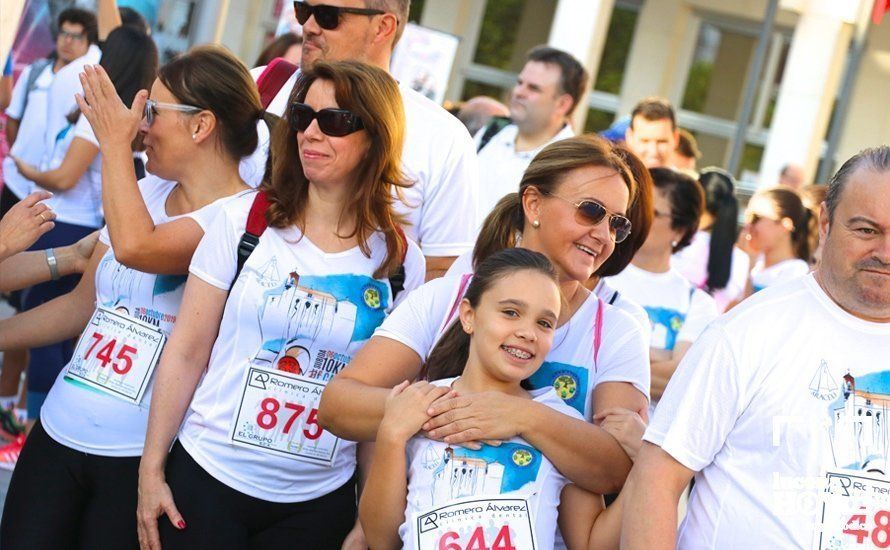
536, 224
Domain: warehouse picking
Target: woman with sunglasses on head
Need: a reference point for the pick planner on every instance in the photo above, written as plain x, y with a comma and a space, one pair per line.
571, 207
678, 311
80, 463
778, 232
252, 468
712, 261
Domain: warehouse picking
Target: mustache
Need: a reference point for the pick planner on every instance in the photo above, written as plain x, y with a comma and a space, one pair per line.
873, 263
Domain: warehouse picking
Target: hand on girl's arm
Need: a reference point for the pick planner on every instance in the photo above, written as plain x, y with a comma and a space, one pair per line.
626, 426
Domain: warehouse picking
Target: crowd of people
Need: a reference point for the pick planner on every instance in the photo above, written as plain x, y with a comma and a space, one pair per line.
301, 305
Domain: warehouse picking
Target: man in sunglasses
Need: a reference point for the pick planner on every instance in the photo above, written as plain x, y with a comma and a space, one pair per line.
779, 410
548, 89
438, 156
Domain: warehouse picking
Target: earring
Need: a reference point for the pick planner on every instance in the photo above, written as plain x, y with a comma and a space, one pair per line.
536, 224
194, 136
674, 244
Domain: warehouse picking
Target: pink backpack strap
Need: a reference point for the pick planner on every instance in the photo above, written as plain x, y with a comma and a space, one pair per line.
598, 331
452, 312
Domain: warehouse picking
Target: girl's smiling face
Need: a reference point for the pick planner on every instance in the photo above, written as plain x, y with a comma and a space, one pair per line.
513, 325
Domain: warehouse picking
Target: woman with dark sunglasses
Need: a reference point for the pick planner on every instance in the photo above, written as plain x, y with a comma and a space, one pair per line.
242, 375
678, 311
571, 206
81, 460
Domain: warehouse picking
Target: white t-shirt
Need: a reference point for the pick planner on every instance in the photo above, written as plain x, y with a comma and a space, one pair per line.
692, 263
774, 395
29, 142
438, 157
294, 318
82, 204
762, 277
616, 299
501, 167
678, 312
569, 367
89, 420
439, 475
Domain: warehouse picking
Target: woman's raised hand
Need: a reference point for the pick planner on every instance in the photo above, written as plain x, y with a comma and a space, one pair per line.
112, 121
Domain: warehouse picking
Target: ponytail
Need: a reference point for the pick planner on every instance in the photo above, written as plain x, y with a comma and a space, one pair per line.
721, 203
500, 228
803, 236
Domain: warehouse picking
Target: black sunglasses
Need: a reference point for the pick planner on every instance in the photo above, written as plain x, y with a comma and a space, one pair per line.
332, 122
591, 213
327, 17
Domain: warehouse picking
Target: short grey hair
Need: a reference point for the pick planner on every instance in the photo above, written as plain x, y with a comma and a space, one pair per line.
875, 158
398, 7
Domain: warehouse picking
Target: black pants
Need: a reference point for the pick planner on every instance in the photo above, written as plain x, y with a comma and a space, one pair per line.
64, 499
220, 518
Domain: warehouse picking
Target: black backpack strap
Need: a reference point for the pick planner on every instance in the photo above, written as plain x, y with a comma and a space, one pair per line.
256, 226
397, 279
613, 298
497, 124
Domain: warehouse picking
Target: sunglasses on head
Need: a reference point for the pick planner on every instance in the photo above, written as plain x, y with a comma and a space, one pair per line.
588, 212
150, 111
332, 122
327, 17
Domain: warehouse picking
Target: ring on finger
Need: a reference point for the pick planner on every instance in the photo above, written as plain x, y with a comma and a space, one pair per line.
42, 217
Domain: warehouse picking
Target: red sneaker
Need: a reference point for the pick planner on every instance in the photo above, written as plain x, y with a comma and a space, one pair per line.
9, 454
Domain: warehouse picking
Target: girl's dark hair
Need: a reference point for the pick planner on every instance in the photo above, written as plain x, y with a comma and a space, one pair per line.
546, 172
211, 78
722, 204
806, 224
130, 58
449, 357
277, 48
687, 202
372, 94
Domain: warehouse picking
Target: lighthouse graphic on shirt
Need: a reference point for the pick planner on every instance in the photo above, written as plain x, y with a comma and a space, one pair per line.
310, 325
859, 431
451, 473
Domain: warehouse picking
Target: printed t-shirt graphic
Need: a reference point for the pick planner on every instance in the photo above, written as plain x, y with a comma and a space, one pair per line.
507, 493
107, 423
294, 317
677, 310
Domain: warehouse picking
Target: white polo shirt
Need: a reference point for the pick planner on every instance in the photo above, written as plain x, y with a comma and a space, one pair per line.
439, 157
501, 166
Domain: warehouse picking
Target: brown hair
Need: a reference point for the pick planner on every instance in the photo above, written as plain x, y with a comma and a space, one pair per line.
211, 78
687, 145
805, 224
640, 212
546, 172
277, 48
373, 95
654, 108
449, 357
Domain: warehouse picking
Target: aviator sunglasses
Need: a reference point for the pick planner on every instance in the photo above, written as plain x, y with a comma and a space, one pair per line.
332, 122
152, 107
327, 17
588, 212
